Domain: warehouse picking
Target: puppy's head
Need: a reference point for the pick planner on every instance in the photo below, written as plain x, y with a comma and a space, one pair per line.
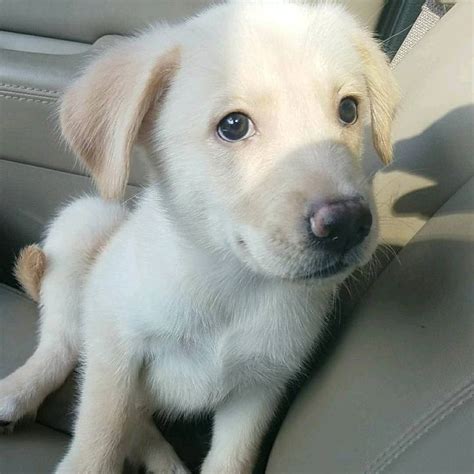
256, 116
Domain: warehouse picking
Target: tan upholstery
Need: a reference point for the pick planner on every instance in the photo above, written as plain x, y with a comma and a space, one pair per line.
34, 449
88, 20
433, 132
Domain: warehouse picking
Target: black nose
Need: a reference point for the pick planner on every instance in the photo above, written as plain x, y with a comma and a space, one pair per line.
340, 225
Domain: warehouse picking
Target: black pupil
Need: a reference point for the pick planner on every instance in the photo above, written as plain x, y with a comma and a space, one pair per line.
234, 126
348, 110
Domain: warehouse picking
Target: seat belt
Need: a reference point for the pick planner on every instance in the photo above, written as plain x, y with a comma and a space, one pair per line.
430, 14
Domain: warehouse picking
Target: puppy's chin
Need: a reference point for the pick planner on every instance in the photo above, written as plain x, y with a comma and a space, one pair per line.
330, 270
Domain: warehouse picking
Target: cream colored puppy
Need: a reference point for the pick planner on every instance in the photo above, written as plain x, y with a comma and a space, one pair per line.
210, 293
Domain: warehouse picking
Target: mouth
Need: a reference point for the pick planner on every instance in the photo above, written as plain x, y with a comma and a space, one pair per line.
338, 265
324, 272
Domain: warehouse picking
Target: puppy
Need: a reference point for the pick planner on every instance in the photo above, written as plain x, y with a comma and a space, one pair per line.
210, 293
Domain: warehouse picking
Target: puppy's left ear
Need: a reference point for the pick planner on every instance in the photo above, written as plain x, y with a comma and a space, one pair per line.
384, 93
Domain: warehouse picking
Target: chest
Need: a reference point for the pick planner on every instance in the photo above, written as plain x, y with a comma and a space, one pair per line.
207, 356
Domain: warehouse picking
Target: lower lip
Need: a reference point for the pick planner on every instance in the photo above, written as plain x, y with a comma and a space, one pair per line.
326, 272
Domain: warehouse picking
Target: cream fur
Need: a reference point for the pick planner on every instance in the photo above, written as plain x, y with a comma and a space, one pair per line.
195, 302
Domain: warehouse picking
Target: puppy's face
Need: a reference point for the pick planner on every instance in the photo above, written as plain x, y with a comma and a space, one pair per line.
258, 130
262, 134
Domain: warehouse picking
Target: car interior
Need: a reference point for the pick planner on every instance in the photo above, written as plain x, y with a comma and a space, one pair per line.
390, 387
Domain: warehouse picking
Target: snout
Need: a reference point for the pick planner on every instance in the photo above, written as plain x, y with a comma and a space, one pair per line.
340, 225
321, 224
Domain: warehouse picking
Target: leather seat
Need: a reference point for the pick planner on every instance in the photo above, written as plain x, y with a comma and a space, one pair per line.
34, 449
87, 21
394, 391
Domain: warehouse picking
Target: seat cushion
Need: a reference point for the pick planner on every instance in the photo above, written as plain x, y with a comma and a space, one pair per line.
401, 381
32, 449
432, 131
87, 20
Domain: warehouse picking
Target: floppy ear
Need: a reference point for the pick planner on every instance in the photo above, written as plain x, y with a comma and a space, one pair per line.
383, 91
101, 113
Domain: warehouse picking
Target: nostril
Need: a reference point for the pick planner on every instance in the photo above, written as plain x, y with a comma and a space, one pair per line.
363, 232
365, 222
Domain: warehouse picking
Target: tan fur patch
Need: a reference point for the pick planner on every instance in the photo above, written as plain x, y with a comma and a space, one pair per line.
384, 94
29, 270
101, 113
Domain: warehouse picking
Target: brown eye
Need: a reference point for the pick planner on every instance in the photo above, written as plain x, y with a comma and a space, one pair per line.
348, 110
235, 127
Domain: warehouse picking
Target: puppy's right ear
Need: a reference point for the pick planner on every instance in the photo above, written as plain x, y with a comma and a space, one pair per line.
101, 113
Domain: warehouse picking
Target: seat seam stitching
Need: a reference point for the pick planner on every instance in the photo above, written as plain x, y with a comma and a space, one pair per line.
448, 409
17, 86
26, 99
424, 424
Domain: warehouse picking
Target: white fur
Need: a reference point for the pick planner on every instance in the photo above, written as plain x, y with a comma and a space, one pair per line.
174, 313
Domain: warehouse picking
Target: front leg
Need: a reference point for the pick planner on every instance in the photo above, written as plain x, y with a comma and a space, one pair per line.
239, 425
106, 412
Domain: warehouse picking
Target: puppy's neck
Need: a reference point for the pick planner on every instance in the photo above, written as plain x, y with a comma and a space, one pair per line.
189, 236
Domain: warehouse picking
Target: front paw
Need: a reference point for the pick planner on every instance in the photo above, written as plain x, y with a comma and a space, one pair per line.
226, 467
13, 406
163, 460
